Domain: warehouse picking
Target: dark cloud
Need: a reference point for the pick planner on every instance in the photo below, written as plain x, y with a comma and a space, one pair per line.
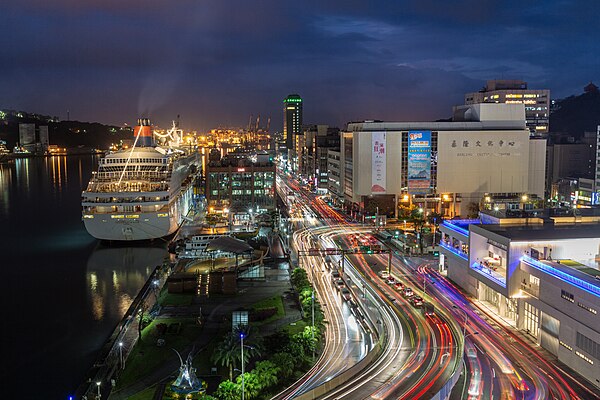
217, 62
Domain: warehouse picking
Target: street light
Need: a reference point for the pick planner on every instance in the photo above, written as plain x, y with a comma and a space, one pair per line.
242, 348
121, 354
466, 318
313, 322
98, 385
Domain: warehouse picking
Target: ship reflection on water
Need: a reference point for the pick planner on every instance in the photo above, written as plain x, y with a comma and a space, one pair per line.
115, 275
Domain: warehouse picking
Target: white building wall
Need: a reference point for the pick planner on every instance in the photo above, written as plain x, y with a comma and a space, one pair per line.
537, 167
573, 319
483, 161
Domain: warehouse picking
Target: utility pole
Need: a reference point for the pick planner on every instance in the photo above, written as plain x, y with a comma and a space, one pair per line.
313, 322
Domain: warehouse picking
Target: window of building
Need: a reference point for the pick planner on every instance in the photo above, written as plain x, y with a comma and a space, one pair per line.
588, 345
587, 308
532, 315
567, 296
566, 346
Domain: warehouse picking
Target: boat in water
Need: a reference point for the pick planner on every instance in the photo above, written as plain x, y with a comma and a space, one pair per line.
144, 192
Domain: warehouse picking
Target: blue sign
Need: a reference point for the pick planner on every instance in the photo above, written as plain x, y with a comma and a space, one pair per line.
419, 162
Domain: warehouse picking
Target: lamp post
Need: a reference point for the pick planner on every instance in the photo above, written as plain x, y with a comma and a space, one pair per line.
313, 322
98, 386
121, 355
242, 348
466, 319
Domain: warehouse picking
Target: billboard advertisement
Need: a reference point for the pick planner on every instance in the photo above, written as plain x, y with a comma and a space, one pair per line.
419, 162
378, 162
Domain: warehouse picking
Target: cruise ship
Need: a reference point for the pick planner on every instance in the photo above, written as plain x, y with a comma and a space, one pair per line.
144, 192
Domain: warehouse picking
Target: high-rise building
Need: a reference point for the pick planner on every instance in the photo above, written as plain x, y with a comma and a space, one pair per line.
292, 119
537, 102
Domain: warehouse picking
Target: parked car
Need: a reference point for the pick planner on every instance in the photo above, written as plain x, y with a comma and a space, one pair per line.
346, 295
335, 275
339, 283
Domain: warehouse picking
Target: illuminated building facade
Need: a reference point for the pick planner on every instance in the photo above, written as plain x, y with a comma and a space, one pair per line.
537, 102
446, 167
539, 274
292, 119
240, 182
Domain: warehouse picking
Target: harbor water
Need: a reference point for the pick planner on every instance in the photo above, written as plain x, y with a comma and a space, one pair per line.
62, 291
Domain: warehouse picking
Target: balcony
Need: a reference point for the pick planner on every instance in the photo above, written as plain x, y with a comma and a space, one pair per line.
454, 251
564, 276
489, 273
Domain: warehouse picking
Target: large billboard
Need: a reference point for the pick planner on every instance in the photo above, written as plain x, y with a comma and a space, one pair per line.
378, 162
419, 162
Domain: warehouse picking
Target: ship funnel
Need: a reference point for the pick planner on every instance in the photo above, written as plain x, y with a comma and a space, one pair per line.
145, 132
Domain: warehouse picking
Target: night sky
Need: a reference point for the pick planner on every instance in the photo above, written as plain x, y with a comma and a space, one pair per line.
218, 62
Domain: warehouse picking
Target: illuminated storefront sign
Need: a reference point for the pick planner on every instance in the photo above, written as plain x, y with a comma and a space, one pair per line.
378, 162
419, 162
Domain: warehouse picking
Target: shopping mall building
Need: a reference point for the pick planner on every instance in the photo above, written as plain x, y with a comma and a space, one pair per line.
441, 166
540, 275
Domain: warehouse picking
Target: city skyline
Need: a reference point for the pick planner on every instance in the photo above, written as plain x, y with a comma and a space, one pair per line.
218, 63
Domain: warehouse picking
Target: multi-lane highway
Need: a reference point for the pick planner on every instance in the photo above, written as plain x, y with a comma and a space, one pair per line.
420, 353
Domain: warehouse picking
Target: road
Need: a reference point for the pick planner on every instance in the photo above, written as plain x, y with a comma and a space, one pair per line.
418, 354
499, 363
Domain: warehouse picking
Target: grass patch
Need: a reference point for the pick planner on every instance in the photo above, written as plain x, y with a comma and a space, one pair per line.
590, 271
146, 394
175, 299
271, 302
571, 263
297, 328
146, 356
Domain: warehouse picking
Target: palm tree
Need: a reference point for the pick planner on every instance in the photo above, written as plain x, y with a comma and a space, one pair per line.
227, 353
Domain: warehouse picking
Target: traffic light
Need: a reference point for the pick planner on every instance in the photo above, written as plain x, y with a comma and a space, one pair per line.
436, 253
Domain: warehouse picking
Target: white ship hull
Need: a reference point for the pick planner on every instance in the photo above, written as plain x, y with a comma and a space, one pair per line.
137, 226
142, 194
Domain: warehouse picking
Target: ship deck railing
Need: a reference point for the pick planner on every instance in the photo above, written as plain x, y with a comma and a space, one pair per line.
132, 176
91, 210
113, 188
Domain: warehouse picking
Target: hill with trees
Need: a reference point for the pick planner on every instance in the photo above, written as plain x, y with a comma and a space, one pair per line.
575, 115
69, 134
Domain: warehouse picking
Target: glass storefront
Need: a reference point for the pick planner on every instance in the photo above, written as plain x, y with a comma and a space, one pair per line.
531, 320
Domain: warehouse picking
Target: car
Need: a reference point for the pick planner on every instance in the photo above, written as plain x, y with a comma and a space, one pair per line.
391, 280
339, 283
416, 301
408, 292
428, 309
384, 274
399, 286
346, 295
335, 274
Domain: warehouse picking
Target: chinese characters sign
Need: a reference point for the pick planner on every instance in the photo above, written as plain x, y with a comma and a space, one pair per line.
378, 162
419, 162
